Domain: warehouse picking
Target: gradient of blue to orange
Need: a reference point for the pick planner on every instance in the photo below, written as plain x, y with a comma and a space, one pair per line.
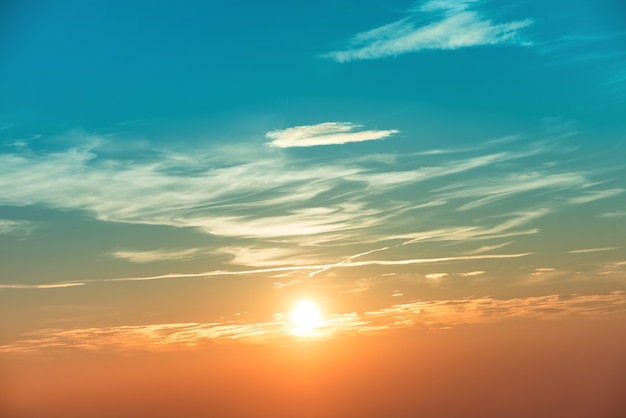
328, 209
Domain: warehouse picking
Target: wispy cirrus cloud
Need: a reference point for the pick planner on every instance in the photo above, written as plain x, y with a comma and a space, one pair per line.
266, 199
491, 190
275, 267
508, 228
318, 268
327, 133
597, 195
453, 25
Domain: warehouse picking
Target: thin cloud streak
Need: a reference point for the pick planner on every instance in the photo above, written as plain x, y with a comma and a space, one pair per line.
493, 190
42, 286
592, 250
327, 133
156, 255
456, 27
597, 195
311, 267
324, 267
469, 233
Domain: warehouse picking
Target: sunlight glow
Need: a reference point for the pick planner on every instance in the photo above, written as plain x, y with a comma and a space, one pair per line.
305, 318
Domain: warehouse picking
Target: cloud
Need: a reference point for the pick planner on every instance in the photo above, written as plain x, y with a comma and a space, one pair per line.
437, 314
156, 255
491, 190
328, 133
267, 257
597, 195
453, 26
592, 250
487, 248
472, 273
435, 276
612, 215
507, 228
265, 198
434, 314
41, 286
8, 226
313, 268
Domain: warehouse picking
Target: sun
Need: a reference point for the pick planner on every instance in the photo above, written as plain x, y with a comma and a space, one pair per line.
305, 317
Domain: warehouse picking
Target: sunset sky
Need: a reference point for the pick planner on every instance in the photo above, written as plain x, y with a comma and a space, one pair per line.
437, 187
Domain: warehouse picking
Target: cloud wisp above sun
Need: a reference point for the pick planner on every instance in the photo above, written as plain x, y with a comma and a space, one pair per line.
327, 133
454, 25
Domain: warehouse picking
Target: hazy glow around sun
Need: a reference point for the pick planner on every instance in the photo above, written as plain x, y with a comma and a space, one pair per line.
305, 317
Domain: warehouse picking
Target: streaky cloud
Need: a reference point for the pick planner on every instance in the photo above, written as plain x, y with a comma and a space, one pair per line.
317, 268
438, 314
487, 248
327, 133
323, 267
454, 26
592, 250
597, 195
41, 286
155, 255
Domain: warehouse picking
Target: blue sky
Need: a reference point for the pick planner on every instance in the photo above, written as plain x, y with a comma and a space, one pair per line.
375, 155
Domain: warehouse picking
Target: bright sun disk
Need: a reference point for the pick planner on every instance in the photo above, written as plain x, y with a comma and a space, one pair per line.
305, 317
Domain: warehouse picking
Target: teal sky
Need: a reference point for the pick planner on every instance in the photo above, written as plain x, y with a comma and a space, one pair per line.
173, 163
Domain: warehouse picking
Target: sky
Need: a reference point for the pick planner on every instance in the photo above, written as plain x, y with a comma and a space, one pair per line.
442, 181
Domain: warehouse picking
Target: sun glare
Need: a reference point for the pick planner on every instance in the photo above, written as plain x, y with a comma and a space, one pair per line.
305, 318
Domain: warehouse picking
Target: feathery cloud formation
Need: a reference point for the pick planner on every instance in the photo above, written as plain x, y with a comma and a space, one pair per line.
456, 27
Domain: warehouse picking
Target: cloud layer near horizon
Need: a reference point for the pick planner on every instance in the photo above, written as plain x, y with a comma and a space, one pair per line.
431, 314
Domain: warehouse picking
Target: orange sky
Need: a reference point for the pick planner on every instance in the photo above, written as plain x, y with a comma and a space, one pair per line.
572, 368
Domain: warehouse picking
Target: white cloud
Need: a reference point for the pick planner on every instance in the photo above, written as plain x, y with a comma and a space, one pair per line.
41, 286
597, 195
327, 133
592, 250
266, 257
156, 255
473, 273
8, 226
318, 268
493, 189
487, 248
612, 215
507, 228
435, 276
456, 27
275, 197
